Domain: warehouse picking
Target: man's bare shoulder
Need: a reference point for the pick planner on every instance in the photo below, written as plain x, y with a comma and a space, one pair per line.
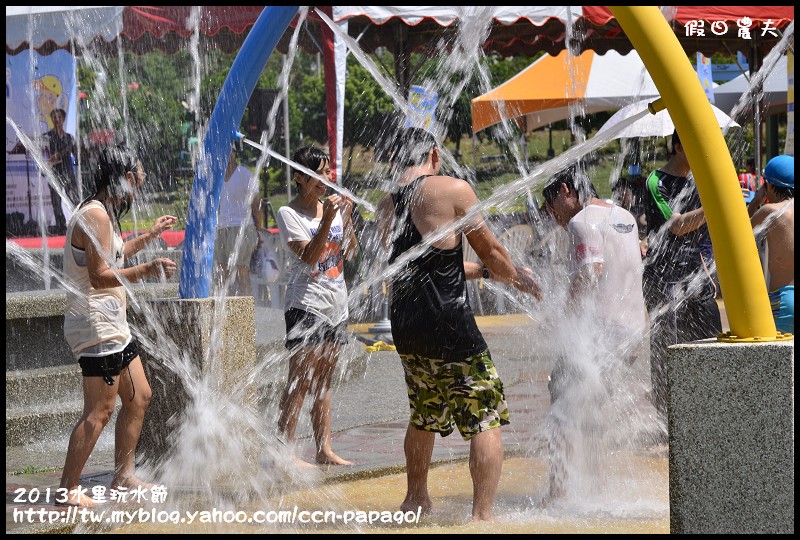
788, 204
785, 209
440, 182
450, 192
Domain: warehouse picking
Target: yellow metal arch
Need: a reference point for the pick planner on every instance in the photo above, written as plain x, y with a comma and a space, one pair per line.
738, 265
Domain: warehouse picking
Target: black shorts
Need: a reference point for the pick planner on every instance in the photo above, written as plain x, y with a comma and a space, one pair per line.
304, 328
110, 365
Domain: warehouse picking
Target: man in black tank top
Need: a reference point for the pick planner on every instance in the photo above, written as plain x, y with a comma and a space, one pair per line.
450, 378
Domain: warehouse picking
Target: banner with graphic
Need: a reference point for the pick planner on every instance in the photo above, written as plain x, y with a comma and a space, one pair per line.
35, 86
423, 108
704, 71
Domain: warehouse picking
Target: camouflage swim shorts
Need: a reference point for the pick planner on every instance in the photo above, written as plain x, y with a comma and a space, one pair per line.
444, 395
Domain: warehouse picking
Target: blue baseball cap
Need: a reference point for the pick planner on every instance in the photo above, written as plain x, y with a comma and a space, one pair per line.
780, 171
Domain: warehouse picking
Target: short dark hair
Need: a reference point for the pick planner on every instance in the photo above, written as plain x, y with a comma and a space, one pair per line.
675, 140
575, 179
411, 147
785, 192
311, 158
62, 112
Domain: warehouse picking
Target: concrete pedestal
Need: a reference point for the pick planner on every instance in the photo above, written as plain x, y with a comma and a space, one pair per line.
731, 437
193, 340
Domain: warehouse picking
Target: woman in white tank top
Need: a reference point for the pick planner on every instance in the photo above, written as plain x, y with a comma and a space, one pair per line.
95, 323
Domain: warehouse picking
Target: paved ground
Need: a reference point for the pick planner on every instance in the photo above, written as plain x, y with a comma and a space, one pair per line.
369, 423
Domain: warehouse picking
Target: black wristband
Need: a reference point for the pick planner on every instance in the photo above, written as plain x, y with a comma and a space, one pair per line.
485, 273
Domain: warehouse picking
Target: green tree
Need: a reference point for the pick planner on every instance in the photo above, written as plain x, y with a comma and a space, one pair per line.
149, 116
369, 111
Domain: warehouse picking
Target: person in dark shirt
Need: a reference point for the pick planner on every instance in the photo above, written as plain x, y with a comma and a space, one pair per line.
450, 377
61, 146
679, 289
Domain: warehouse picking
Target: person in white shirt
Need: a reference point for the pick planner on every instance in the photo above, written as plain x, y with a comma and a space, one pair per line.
239, 206
95, 320
605, 299
317, 232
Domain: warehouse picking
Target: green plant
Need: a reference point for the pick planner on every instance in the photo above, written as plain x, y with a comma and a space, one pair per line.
32, 469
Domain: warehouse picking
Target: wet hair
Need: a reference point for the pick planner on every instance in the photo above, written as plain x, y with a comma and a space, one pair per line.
311, 158
675, 140
411, 147
783, 192
62, 112
575, 179
110, 166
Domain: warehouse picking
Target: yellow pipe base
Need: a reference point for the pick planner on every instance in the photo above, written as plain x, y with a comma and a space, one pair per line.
728, 337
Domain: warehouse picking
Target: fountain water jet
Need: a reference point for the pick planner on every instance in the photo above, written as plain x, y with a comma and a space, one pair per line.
209, 394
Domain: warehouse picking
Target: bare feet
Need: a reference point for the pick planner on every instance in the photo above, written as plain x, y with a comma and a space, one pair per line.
330, 458
411, 505
76, 498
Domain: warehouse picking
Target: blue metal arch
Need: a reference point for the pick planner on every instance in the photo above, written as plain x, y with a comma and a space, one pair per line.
201, 222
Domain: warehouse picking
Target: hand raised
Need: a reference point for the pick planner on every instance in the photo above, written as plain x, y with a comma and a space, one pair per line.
161, 267
330, 206
347, 207
161, 224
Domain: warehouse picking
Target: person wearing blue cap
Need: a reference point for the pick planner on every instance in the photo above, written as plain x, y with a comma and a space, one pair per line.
772, 214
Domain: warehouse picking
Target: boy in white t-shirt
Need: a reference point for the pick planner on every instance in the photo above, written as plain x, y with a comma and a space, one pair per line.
608, 321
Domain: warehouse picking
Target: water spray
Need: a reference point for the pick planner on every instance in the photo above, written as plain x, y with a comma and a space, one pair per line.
340, 189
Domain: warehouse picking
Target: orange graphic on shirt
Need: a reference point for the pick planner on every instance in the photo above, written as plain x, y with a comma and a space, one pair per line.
331, 261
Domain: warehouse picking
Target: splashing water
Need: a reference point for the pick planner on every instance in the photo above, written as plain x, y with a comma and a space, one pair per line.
340, 189
226, 455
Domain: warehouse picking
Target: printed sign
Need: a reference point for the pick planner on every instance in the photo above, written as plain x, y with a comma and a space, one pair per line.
423, 107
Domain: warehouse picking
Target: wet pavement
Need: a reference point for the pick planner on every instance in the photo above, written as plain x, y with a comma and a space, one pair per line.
369, 421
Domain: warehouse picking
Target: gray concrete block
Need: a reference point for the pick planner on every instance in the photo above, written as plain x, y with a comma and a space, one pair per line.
35, 324
28, 427
193, 340
27, 272
47, 422
731, 437
33, 387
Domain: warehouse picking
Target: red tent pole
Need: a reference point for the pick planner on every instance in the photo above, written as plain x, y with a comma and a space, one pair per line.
330, 87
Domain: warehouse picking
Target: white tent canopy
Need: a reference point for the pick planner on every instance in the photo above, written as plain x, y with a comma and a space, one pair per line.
776, 88
60, 24
554, 87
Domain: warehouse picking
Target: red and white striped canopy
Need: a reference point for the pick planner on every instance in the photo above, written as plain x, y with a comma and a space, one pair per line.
515, 30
